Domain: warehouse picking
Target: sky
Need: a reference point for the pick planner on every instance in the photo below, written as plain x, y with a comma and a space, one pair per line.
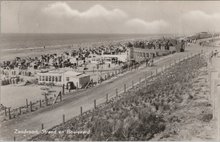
141, 17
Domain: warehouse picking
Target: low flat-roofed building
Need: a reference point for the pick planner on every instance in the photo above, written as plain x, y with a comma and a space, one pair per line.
119, 57
51, 77
140, 54
60, 78
79, 80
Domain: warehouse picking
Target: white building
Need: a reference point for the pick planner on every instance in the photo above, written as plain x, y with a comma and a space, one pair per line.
120, 57
60, 78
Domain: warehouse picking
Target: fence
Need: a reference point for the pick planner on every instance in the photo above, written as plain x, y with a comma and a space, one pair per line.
108, 98
31, 106
127, 88
115, 72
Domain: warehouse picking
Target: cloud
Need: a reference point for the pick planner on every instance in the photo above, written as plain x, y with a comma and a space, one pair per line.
98, 19
60, 9
197, 14
197, 21
140, 25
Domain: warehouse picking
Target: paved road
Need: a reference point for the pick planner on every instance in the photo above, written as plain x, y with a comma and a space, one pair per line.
52, 115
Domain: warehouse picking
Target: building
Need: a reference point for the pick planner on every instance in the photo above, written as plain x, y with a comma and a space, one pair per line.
8, 73
119, 57
141, 54
59, 78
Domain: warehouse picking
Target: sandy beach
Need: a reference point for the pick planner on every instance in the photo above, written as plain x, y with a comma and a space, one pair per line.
11, 53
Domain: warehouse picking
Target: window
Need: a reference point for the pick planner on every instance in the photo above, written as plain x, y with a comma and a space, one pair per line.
67, 79
56, 78
40, 78
59, 78
43, 77
52, 78
46, 78
49, 78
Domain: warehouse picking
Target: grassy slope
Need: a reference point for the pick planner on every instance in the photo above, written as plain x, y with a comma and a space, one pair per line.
172, 107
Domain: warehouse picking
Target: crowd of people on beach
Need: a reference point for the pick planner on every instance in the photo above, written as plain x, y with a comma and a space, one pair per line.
164, 43
80, 58
81, 54
63, 60
139, 114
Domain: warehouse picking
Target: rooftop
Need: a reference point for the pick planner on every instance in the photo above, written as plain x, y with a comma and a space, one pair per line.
63, 71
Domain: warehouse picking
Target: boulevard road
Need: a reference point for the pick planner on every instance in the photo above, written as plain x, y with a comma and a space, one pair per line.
52, 115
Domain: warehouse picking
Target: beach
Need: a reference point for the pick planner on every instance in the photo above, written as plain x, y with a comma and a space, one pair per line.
23, 45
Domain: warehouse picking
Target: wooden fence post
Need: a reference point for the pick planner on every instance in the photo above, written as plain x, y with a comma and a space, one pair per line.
42, 126
77, 85
63, 118
9, 113
95, 103
61, 97
31, 106
46, 101
20, 110
40, 103
5, 111
124, 87
145, 79
27, 103
81, 110
107, 97
63, 89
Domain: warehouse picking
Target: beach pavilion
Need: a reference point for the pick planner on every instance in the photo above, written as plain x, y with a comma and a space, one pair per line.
61, 77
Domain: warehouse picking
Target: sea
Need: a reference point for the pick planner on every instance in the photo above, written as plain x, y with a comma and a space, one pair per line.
14, 41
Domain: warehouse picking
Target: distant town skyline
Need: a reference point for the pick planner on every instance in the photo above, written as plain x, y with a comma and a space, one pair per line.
125, 17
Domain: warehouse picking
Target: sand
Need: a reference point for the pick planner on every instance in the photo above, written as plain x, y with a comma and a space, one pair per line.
15, 96
9, 54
